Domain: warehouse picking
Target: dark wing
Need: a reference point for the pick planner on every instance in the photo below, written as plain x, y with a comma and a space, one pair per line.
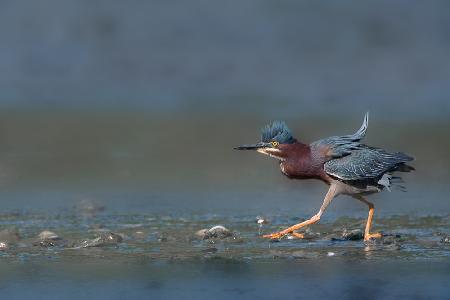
365, 163
340, 146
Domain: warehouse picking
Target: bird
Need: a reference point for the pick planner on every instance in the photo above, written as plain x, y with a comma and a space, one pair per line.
343, 162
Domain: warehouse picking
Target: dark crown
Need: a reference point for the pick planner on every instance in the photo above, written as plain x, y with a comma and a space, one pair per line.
277, 131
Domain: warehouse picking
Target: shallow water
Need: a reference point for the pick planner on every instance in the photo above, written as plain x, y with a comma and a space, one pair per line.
173, 237
161, 256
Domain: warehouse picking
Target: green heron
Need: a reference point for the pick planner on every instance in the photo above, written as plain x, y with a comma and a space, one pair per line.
345, 164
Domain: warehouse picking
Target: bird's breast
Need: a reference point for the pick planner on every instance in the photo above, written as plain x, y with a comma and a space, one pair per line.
301, 169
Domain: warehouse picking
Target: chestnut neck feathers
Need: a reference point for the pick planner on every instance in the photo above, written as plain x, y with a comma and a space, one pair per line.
298, 161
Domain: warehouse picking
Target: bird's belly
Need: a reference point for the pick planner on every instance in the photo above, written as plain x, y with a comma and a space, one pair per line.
349, 189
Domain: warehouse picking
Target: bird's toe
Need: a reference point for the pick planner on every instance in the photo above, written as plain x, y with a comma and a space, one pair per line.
371, 236
298, 235
273, 236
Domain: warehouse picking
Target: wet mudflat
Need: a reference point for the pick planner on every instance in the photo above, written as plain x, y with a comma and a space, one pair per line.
172, 256
179, 238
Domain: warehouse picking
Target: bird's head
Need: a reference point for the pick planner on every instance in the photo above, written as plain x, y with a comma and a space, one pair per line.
275, 140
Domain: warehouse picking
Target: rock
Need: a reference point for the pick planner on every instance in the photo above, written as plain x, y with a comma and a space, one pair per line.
3, 246
107, 239
260, 221
48, 239
353, 235
217, 232
48, 235
446, 239
46, 243
202, 233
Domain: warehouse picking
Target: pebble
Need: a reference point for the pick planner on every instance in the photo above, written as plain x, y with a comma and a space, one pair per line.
218, 232
3, 246
446, 239
261, 220
48, 235
353, 235
48, 239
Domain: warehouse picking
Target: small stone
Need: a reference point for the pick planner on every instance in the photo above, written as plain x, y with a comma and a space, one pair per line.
218, 231
46, 243
3, 246
331, 254
446, 239
48, 239
48, 235
202, 233
353, 235
261, 220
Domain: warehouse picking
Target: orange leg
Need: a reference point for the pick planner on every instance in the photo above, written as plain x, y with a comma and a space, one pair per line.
330, 195
367, 235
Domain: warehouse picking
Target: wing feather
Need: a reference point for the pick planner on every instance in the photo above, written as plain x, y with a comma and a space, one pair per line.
340, 146
365, 163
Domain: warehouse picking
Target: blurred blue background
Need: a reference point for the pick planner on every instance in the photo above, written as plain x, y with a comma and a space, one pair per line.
120, 107
293, 57
137, 105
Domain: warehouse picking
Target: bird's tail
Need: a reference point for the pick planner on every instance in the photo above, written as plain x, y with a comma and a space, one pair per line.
392, 182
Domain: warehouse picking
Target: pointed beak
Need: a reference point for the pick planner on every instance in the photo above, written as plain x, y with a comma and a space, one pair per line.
253, 146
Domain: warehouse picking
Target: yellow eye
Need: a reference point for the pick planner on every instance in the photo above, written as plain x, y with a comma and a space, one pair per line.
275, 144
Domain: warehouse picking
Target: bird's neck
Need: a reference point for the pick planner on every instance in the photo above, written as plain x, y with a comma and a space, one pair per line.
296, 151
299, 162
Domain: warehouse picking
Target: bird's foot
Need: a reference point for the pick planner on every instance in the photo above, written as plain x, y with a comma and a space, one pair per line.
371, 236
279, 235
274, 236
